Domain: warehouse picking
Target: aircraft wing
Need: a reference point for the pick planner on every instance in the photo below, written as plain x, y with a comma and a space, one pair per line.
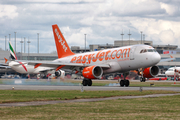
66, 65
168, 59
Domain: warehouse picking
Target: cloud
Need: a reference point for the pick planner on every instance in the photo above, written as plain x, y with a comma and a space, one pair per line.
102, 21
8, 11
160, 31
170, 9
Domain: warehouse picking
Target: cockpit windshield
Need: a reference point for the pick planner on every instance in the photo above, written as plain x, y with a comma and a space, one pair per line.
147, 50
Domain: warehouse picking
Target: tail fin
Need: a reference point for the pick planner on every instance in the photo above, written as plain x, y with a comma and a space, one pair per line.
12, 52
5, 60
62, 47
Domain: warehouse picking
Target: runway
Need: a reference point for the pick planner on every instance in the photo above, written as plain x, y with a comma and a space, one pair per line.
90, 88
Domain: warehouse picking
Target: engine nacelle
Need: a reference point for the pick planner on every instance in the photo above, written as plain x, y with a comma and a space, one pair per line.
60, 73
92, 72
151, 72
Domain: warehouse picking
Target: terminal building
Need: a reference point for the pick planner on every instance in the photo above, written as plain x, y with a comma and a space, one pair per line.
164, 50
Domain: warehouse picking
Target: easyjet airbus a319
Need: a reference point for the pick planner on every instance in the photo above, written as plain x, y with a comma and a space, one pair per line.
92, 65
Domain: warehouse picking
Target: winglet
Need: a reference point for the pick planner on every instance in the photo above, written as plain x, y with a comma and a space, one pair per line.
62, 47
5, 60
12, 52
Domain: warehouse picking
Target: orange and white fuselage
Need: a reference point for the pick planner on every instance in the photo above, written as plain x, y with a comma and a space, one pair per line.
119, 59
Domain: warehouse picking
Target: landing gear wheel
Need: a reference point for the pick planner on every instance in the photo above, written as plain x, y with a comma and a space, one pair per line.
143, 79
126, 83
89, 82
122, 83
84, 82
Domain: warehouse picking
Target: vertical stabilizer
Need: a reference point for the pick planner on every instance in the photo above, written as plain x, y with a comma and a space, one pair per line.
12, 52
62, 47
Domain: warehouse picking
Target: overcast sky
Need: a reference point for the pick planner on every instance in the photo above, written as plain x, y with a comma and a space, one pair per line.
102, 21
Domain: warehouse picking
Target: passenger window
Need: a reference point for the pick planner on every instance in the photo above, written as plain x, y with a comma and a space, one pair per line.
141, 51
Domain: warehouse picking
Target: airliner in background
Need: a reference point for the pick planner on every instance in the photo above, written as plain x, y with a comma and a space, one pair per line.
23, 67
173, 72
92, 65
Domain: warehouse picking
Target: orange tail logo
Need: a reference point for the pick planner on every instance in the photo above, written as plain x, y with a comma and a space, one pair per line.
62, 47
5, 60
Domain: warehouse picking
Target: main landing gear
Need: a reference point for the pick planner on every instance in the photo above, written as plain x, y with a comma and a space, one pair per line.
86, 82
124, 82
143, 79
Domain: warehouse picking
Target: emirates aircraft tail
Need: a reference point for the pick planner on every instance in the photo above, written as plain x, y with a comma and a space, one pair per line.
12, 52
62, 47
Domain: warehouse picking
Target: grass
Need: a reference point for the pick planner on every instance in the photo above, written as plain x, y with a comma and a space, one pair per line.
7, 96
122, 109
130, 109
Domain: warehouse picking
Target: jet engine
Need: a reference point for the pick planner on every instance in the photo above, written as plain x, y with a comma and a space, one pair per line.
151, 71
60, 73
92, 72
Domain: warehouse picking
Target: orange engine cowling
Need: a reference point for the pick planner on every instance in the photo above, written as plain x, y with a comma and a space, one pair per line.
151, 71
92, 72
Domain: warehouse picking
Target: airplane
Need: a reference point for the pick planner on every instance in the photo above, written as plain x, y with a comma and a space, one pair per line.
173, 72
24, 68
92, 65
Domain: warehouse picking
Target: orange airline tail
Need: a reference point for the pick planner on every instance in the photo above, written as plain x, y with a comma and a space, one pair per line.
62, 47
5, 60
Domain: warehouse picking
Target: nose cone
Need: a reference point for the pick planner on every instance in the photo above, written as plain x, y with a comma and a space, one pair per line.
170, 73
156, 58
167, 73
